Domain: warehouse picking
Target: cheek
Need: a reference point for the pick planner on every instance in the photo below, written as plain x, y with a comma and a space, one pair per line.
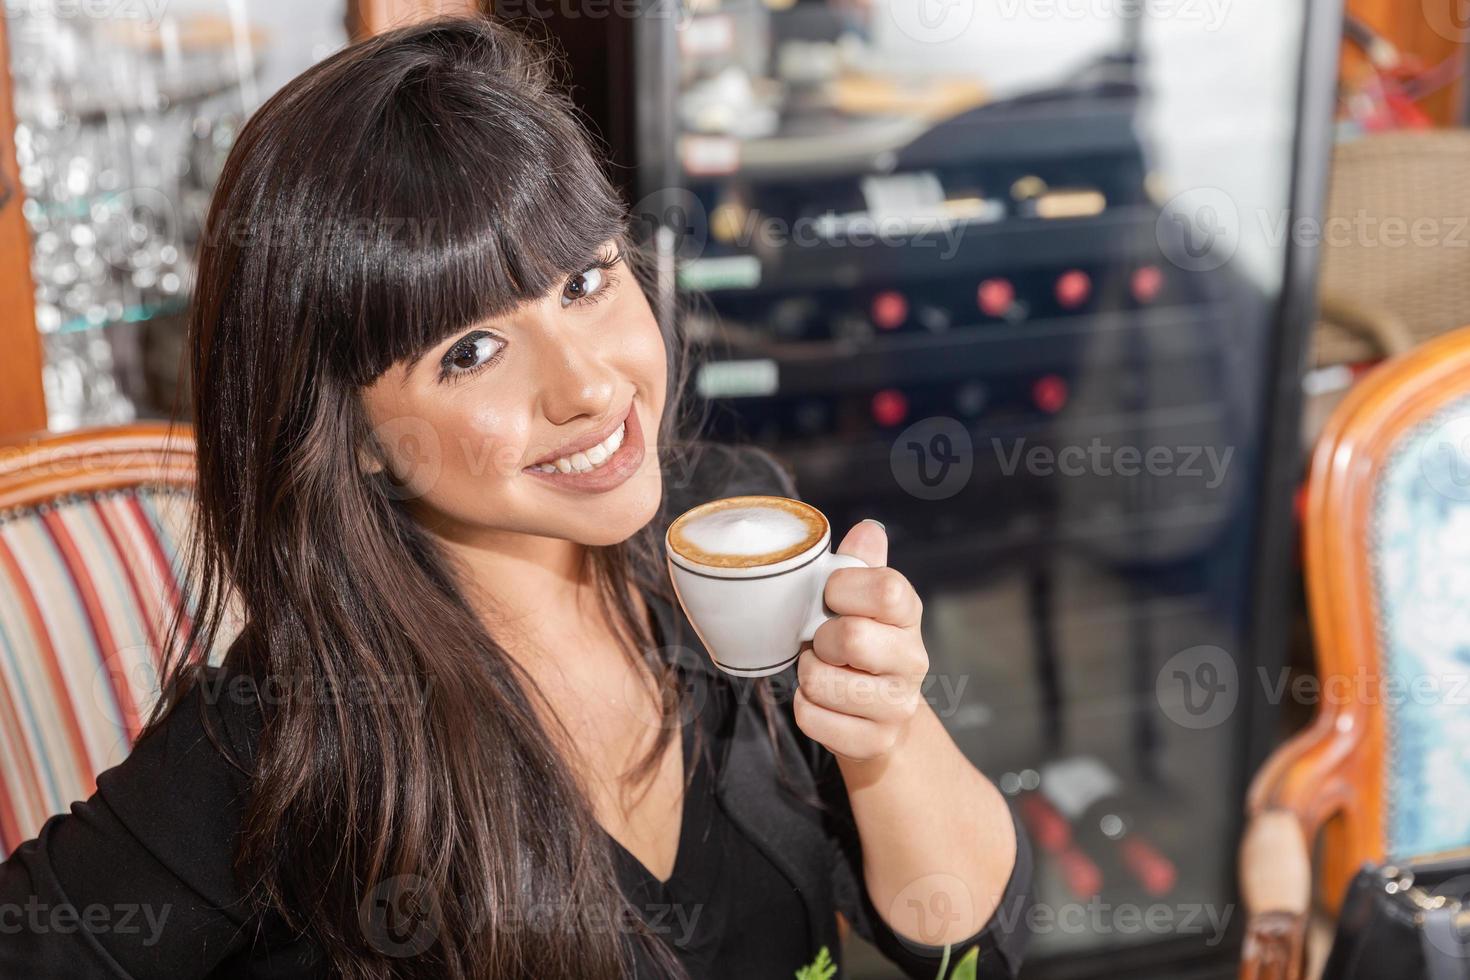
449, 455
483, 443
480, 448
646, 356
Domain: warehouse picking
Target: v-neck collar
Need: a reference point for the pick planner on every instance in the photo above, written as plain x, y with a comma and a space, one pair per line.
646, 878
693, 777
742, 778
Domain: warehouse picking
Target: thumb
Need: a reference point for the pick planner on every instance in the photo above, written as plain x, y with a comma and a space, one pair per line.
867, 540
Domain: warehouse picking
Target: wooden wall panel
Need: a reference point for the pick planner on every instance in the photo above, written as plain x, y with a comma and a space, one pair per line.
368, 17
22, 403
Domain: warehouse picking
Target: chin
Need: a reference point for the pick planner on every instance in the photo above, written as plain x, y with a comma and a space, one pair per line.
620, 520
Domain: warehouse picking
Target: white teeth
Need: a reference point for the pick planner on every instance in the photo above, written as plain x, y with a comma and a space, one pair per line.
588, 459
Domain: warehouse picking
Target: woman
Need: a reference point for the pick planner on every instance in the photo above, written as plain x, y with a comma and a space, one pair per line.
464, 732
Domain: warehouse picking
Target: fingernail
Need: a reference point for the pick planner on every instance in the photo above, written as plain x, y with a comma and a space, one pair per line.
874, 520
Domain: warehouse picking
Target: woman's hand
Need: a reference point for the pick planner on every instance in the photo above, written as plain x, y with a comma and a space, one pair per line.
860, 682
935, 833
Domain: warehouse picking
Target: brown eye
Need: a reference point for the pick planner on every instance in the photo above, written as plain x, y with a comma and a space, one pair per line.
583, 285
471, 353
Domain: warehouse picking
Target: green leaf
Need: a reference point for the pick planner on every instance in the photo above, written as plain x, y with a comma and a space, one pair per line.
821, 968
966, 967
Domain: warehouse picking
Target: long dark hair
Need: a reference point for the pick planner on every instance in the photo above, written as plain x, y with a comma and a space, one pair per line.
402, 189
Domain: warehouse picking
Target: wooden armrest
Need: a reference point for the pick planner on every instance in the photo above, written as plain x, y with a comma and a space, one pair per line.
1276, 887
1305, 776
1274, 948
1275, 869
1301, 786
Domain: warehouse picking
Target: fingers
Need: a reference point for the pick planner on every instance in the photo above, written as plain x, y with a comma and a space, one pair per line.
843, 734
867, 540
883, 700
877, 593
871, 646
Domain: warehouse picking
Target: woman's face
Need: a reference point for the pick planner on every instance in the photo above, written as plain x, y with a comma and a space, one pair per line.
541, 421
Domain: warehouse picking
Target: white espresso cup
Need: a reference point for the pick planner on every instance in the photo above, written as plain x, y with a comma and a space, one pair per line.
753, 606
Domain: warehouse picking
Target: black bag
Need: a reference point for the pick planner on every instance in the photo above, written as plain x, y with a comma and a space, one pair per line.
1405, 922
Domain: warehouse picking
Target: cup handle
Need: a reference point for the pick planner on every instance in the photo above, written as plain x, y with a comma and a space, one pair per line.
829, 562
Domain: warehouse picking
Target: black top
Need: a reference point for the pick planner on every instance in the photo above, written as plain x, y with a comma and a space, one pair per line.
137, 882
725, 908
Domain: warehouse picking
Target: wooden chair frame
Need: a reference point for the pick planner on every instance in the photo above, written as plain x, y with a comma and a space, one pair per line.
45, 466
1327, 779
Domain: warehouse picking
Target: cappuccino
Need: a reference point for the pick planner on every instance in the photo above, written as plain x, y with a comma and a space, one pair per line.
746, 532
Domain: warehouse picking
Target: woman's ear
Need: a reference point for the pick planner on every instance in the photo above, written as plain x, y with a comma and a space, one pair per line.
369, 457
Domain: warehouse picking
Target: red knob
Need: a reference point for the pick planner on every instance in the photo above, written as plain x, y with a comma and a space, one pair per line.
1146, 283
995, 297
1073, 288
1050, 394
890, 309
890, 407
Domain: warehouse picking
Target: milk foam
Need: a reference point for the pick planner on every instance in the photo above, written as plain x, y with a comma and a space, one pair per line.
746, 531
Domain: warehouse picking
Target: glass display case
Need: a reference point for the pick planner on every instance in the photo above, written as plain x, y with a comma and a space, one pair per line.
124, 116
1019, 280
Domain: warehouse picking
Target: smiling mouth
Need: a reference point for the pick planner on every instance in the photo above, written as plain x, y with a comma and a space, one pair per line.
592, 458
587, 459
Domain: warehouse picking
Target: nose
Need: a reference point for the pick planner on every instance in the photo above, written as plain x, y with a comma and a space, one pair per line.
577, 380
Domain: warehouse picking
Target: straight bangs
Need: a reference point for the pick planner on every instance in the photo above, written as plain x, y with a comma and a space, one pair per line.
468, 202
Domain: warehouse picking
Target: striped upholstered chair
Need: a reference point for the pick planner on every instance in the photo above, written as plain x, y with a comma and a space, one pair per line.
91, 525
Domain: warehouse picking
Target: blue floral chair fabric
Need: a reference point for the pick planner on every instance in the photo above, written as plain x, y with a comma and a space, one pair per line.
1421, 559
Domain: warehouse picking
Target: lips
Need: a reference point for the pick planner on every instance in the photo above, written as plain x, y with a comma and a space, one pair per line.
587, 460
616, 466
588, 442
